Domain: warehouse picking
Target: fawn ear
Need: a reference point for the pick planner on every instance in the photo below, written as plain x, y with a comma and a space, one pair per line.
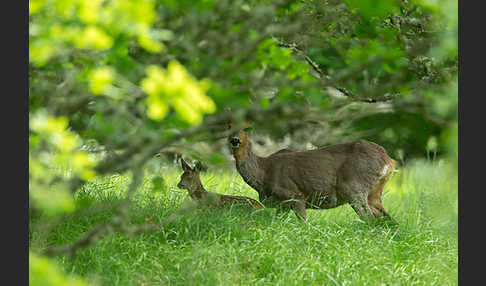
185, 166
199, 167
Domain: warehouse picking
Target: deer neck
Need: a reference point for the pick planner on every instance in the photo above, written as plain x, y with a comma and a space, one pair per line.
197, 192
250, 168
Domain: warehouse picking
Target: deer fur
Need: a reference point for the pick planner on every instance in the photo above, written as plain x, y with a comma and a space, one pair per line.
324, 178
190, 180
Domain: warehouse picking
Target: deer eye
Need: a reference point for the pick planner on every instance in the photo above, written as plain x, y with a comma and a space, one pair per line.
247, 129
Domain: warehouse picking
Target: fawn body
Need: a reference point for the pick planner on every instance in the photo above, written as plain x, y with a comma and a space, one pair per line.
327, 177
191, 181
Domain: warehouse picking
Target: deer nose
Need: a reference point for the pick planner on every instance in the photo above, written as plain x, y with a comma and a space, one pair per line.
180, 186
235, 141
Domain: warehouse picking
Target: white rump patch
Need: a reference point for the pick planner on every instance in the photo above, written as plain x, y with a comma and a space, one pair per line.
385, 169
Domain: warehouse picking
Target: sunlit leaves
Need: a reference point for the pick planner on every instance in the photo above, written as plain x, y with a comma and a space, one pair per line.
44, 272
141, 12
175, 87
100, 79
88, 24
64, 145
40, 52
35, 6
89, 11
54, 200
148, 43
53, 151
94, 38
82, 163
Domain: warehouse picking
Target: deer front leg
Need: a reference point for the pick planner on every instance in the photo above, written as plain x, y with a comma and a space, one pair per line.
281, 209
356, 195
360, 206
289, 197
298, 207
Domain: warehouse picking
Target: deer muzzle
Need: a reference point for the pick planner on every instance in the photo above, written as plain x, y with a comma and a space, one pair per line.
235, 142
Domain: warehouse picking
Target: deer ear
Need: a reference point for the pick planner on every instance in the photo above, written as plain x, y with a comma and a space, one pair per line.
185, 166
247, 126
228, 124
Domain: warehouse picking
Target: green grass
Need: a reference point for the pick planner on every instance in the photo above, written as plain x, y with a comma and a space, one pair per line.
237, 247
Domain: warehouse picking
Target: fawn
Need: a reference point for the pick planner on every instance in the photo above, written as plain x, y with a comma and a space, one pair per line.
191, 181
327, 177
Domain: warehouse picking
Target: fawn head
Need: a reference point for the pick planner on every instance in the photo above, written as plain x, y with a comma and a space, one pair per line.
190, 178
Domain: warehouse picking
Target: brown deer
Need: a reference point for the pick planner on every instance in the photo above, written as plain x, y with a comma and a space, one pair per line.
324, 178
191, 181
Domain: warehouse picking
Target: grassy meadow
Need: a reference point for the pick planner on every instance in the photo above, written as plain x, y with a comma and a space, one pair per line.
238, 247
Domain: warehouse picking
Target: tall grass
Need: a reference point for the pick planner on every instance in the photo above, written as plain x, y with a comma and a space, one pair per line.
238, 247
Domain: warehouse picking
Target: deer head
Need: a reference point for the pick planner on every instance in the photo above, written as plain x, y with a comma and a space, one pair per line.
238, 141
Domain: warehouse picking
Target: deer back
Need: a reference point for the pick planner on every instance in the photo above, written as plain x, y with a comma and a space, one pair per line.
322, 171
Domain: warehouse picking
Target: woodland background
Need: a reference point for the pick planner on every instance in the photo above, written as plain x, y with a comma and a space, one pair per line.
120, 89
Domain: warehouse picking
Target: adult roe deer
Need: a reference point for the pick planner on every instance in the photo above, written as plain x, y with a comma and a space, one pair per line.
191, 181
327, 177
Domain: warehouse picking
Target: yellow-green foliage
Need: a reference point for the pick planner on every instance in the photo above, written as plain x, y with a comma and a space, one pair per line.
100, 79
44, 272
53, 131
177, 88
59, 27
88, 24
64, 153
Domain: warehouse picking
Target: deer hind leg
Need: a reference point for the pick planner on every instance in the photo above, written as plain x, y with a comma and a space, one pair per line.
375, 202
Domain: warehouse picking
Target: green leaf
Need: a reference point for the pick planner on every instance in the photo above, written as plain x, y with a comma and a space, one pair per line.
373, 8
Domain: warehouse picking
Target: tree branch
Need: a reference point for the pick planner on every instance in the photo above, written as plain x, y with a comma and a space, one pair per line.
100, 230
117, 224
329, 81
314, 66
